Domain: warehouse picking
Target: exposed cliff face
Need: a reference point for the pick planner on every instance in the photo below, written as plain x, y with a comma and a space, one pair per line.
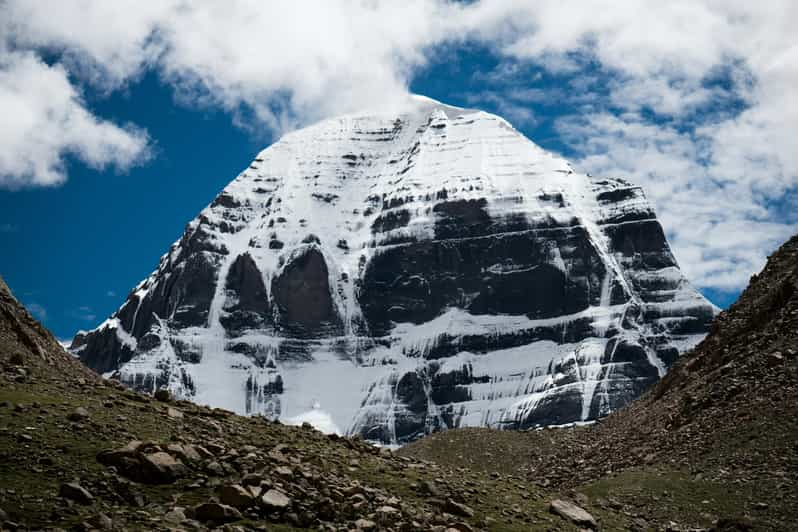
409, 273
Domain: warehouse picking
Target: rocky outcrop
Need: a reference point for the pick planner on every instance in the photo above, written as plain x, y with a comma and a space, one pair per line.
394, 275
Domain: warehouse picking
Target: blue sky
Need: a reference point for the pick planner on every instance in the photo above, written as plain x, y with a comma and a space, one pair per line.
152, 119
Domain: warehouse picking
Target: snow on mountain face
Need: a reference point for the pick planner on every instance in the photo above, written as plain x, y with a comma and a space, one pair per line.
390, 275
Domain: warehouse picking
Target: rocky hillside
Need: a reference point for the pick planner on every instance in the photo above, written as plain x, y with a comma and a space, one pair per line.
79, 452
396, 274
715, 438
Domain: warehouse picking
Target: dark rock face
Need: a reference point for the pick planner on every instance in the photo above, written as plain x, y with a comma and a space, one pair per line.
490, 274
445, 273
302, 294
247, 299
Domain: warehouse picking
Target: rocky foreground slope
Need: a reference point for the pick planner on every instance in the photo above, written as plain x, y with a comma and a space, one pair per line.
715, 438
394, 274
79, 452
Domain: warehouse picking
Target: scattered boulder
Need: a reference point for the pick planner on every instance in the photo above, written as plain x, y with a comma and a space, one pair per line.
162, 394
365, 525
571, 512
236, 496
218, 513
457, 508
162, 468
79, 414
101, 522
75, 492
187, 453
144, 463
174, 413
284, 471
175, 516
387, 514
275, 500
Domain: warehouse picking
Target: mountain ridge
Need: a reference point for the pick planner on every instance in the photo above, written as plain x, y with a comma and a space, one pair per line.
399, 252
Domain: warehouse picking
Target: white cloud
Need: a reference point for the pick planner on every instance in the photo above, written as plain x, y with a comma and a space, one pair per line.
714, 178
44, 119
721, 230
287, 62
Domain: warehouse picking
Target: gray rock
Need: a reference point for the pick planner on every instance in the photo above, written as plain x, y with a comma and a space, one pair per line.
572, 512
460, 509
218, 513
162, 467
79, 414
185, 452
365, 524
162, 394
75, 492
236, 496
275, 500
387, 514
175, 516
174, 413
101, 522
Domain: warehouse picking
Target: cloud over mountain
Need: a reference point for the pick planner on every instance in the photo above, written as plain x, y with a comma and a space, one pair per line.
694, 100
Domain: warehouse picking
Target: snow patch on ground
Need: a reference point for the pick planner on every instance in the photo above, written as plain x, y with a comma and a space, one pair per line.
318, 418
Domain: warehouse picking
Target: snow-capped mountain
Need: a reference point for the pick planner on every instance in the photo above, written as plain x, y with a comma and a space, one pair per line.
393, 274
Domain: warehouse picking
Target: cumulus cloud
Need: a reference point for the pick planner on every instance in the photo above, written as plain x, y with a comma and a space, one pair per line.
697, 107
693, 99
44, 119
286, 62
721, 229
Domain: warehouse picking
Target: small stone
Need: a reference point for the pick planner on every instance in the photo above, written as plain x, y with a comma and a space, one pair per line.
79, 414
575, 514
218, 513
175, 516
252, 479
275, 500
187, 453
430, 488
162, 394
457, 508
284, 471
387, 514
214, 468
161, 467
101, 522
365, 524
75, 492
236, 496
174, 413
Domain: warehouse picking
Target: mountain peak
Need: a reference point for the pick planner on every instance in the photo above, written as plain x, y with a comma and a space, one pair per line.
440, 264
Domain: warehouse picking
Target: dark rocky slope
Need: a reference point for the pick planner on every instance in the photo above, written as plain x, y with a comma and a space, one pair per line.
79, 452
715, 438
